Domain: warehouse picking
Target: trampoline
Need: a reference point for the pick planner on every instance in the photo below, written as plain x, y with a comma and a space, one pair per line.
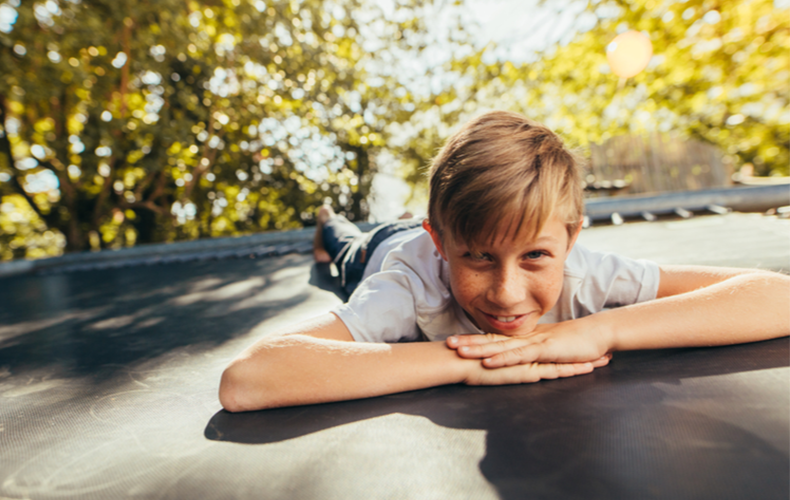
108, 389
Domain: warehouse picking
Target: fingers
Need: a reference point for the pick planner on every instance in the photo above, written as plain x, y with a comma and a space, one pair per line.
517, 355
531, 372
523, 350
486, 349
547, 371
498, 351
602, 361
537, 352
573, 369
456, 341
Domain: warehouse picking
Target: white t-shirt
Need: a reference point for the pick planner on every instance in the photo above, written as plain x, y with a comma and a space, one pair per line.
409, 298
376, 259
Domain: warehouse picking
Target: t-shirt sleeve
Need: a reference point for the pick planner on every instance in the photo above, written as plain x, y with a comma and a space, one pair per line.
381, 309
609, 280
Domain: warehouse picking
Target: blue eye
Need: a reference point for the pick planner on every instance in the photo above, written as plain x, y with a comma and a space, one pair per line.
536, 254
478, 255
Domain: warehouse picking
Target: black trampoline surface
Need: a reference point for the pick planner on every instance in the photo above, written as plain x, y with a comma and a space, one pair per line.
108, 389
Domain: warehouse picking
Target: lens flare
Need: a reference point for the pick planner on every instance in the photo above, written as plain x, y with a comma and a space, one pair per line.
629, 53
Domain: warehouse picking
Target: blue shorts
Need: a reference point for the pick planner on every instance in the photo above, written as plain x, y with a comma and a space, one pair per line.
349, 247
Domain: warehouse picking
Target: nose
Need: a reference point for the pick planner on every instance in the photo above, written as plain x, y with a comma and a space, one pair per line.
508, 289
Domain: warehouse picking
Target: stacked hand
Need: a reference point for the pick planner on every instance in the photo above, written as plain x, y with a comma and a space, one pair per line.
548, 352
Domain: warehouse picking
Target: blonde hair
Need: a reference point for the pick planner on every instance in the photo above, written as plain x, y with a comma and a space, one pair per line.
499, 171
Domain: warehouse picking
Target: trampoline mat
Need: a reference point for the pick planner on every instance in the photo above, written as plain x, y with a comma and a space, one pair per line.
108, 385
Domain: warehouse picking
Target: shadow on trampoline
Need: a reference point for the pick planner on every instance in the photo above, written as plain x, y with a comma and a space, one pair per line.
321, 278
97, 322
622, 429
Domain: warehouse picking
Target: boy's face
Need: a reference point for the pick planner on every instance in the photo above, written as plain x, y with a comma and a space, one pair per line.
505, 287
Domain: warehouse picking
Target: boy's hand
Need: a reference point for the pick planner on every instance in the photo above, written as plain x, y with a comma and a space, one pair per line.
555, 343
531, 372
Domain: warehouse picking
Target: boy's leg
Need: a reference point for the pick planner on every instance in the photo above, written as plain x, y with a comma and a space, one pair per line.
342, 234
319, 252
333, 235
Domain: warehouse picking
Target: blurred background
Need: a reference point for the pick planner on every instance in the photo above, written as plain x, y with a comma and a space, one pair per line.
140, 122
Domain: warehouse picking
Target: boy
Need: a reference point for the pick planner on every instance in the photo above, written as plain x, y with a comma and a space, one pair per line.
495, 288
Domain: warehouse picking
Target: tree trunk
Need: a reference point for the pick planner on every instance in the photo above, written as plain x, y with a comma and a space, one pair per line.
363, 175
145, 224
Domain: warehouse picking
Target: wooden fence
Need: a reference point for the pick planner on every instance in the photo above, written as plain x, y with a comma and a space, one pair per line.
653, 164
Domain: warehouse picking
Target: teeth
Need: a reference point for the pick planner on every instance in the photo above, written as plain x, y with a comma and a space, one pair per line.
505, 319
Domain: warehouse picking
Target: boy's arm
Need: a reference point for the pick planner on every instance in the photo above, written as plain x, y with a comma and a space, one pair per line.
318, 362
696, 306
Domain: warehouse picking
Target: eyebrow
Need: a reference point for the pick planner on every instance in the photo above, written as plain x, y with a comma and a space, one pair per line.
544, 238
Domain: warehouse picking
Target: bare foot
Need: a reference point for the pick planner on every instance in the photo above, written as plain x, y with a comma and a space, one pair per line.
319, 252
406, 215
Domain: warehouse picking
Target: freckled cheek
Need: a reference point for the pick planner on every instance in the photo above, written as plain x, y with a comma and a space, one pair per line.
548, 288
466, 286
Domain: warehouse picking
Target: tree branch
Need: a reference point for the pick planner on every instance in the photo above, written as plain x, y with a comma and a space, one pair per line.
158, 190
59, 170
127, 29
138, 193
148, 205
208, 154
5, 148
103, 194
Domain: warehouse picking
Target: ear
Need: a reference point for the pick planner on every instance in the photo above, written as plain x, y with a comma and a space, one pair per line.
437, 240
575, 235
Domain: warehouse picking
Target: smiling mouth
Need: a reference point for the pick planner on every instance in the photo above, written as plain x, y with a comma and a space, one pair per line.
505, 319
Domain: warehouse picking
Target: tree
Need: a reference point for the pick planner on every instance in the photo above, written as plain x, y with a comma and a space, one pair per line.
719, 74
177, 120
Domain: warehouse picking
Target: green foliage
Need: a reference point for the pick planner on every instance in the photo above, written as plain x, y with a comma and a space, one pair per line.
176, 120
185, 119
23, 233
719, 74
